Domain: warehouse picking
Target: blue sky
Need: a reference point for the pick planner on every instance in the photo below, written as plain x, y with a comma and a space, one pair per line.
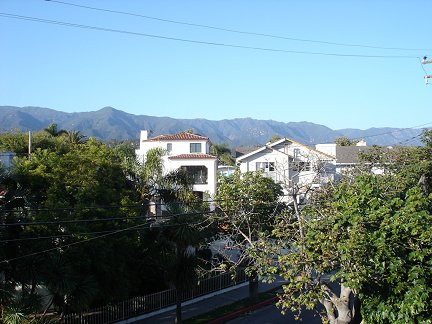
76, 69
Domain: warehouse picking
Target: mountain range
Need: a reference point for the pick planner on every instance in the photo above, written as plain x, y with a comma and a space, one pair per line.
111, 124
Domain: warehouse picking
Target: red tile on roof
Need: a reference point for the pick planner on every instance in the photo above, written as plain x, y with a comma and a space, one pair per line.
179, 137
192, 156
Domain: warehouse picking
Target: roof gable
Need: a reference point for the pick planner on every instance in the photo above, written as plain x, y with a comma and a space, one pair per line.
281, 141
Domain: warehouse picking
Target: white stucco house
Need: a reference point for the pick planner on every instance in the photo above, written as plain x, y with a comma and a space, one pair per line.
347, 158
6, 159
186, 151
290, 163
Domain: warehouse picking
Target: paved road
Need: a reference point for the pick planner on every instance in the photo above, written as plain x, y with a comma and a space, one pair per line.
272, 315
207, 305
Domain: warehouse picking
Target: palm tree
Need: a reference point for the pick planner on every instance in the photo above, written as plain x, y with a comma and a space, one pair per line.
75, 137
222, 152
53, 130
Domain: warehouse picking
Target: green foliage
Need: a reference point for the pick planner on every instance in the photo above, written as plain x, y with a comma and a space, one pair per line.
223, 153
249, 193
345, 141
53, 130
75, 137
370, 235
80, 184
274, 138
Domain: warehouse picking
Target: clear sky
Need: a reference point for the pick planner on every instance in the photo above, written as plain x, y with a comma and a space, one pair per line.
81, 69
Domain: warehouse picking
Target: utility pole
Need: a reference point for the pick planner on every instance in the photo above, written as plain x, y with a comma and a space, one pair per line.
427, 76
29, 144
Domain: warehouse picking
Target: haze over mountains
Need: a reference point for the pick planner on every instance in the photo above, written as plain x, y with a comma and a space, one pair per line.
109, 123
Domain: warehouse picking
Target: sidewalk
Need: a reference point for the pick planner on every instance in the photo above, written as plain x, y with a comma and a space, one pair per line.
205, 304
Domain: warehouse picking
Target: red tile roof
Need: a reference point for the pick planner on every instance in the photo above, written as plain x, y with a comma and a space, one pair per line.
179, 137
192, 156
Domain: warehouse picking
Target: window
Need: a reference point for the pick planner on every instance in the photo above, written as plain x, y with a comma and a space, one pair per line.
301, 166
195, 147
197, 174
169, 147
265, 166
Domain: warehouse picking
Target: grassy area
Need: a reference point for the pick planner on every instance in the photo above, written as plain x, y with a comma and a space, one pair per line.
224, 310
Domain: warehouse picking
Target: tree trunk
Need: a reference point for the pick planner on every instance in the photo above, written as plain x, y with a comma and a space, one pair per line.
344, 309
253, 287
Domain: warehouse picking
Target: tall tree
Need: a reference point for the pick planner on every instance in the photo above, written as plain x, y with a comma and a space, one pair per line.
53, 130
365, 242
75, 137
247, 204
345, 141
222, 152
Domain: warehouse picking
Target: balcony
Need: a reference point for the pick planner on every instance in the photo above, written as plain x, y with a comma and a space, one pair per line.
197, 174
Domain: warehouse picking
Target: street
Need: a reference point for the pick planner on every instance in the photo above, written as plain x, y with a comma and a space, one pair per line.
272, 315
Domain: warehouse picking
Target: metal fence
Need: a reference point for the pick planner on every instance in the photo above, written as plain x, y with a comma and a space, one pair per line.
149, 303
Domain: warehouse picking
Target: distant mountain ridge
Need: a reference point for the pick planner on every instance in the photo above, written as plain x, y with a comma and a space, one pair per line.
109, 123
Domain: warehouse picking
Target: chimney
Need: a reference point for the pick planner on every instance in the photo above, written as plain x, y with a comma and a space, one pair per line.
144, 135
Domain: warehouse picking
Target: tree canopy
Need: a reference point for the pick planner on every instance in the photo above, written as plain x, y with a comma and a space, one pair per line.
366, 246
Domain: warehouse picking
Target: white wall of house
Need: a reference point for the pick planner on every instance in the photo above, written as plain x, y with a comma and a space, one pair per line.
289, 163
176, 157
211, 165
329, 149
6, 159
173, 147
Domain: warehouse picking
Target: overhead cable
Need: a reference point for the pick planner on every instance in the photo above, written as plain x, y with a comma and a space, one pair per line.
265, 49
238, 31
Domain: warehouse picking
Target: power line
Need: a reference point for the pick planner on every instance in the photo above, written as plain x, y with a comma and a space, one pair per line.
52, 236
265, 49
70, 209
394, 131
151, 225
168, 216
408, 140
95, 238
73, 221
239, 31
72, 244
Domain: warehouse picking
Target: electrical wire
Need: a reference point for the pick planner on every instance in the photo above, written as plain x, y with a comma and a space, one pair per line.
151, 226
79, 209
61, 23
393, 131
168, 216
72, 221
94, 238
408, 140
237, 31
72, 244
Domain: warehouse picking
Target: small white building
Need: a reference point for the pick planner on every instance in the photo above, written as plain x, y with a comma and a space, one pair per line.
290, 163
347, 158
186, 151
6, 159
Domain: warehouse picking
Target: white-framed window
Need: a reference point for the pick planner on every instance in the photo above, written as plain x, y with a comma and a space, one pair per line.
169, 147
301, 166
195, 148
265, 166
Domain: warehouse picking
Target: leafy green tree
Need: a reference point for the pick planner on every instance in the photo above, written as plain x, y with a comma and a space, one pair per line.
15, 141
247, 204
86, 182
274, 138
179, 236
223, 153
365, 243
345, 141
53, 130
75, 137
